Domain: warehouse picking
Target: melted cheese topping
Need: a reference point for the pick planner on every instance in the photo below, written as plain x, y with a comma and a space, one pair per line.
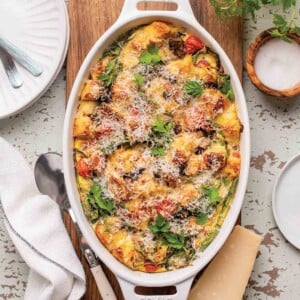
156, 142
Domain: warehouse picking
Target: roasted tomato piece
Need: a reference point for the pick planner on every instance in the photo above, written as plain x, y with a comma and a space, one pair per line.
83, 168
193, 44
150, 267
202, 63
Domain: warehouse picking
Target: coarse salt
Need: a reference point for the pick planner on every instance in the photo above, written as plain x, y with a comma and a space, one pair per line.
277, 64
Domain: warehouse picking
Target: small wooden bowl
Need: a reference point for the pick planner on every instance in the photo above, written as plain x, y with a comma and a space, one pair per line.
261, 39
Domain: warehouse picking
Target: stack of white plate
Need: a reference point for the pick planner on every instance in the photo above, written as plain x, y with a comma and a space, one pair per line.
41, 29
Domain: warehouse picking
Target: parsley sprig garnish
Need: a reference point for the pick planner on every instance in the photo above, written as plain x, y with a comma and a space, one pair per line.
96, 204
161, 127
162, 133
139, 79
158, 151
161, 227
150, 56
212, 193
193, 88
201, 218
110, 73
226, 88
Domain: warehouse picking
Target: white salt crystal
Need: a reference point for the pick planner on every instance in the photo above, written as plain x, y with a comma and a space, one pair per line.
277, 64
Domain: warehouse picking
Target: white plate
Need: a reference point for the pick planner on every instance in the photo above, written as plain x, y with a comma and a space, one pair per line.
286, 201
40, 28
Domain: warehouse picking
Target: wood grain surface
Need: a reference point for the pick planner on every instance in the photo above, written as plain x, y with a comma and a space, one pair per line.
89, 19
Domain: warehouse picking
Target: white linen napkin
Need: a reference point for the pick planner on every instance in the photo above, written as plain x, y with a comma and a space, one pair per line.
35, 226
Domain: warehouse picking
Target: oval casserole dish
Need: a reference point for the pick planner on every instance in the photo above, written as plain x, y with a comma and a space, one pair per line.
130, 17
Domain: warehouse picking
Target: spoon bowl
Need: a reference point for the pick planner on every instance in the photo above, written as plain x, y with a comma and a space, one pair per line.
50, 180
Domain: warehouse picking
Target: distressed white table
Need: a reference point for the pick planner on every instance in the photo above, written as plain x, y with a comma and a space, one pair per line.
275, 132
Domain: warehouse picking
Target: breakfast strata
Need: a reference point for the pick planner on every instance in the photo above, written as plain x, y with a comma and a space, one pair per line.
156, 147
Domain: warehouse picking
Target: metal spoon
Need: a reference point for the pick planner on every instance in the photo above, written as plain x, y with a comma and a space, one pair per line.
50, 181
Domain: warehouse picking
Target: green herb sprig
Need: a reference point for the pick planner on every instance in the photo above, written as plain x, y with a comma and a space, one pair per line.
201, 218
150, 56
161, 127
96, 205
212, 194
193, 88
161, 227
111, 72
233, 8
226, 88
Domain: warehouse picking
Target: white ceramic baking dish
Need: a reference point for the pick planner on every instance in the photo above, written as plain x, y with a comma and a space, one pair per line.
181, 278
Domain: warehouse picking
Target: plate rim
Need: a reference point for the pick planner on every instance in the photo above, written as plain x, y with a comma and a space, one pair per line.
274, 210
60, 64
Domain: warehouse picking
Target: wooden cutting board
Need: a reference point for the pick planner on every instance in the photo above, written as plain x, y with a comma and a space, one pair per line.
89, 19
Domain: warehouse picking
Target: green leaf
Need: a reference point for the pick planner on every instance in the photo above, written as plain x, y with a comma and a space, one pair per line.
174, 240
95, 196
275, 33
150, 56
161, 127
279, 20
193, 88
201, 218
213, 194
161, 225
226, 88
158, 151
110, 73
286, 4
139, 79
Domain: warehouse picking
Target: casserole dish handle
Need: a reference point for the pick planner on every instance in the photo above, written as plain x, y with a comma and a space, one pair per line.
130, 8
183, 289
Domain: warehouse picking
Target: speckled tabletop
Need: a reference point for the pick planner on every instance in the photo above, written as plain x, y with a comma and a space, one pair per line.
275, 132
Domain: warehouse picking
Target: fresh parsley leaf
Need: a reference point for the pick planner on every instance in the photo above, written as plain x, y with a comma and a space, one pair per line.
193, 88
150, 56
110, 73
158, 151
213, 194
174, 240
95, 196
161, 127
139, 79
161, 225
201, 218
226, 88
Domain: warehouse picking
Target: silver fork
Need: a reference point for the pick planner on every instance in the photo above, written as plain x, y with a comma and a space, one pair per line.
10, 69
